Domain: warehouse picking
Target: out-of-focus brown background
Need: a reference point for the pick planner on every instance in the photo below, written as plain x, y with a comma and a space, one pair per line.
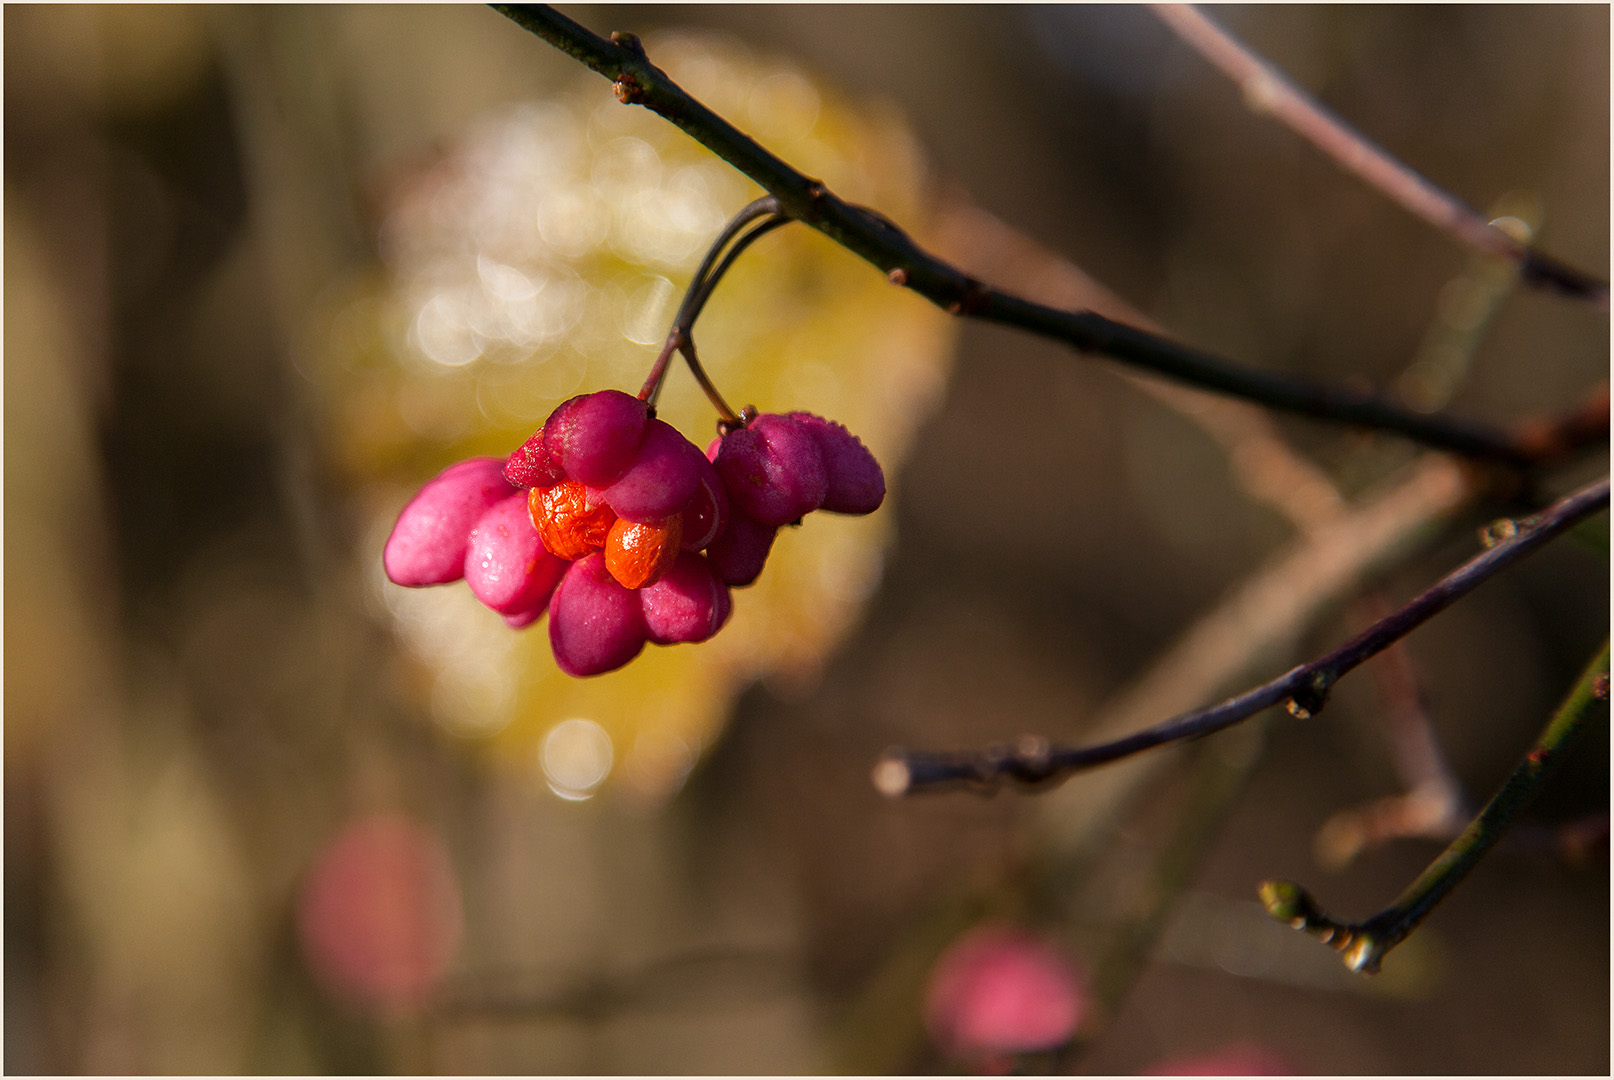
221, 729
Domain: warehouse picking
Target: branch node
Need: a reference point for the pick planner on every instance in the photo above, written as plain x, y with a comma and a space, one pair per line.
1308, 700
1497, 531
974, 298
897, 276
629, 42
629, 90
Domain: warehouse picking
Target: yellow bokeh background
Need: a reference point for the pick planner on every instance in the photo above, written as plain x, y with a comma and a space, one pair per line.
544, 257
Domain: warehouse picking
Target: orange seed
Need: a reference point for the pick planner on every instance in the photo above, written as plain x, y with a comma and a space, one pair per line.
639, 554
571, 520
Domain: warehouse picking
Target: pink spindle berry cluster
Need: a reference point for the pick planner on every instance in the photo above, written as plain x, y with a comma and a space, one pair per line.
621, 528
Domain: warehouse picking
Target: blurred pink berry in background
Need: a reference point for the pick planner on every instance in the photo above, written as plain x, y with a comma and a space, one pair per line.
998, 991
380, 914
1237, 1059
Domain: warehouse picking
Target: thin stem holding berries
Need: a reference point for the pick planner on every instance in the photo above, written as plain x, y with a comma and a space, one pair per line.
727, 417
1364, 944
711, 271
1305, 688
680, 337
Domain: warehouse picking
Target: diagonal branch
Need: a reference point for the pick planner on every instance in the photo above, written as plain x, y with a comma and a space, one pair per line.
1304, 689
1267, 90
1364, 944
869, 235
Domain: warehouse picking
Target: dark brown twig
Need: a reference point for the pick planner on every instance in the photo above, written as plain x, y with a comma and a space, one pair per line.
681, 337
1304, 689
874, 238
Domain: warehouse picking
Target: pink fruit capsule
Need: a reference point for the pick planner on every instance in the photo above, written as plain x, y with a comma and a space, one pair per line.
708, 511
773, 470
523, 619
688, 604
427, 545
595, 625
740, 553
535, 464
506, 564
856, 481
661, 480
596, 437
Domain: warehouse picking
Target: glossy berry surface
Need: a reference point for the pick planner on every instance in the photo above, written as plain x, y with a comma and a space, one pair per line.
427, 545
595, 625
773, 470
660, 480
626, 532
638, 554
592, 438
708, 511
596, 437
506, 566
689, 604
739, 555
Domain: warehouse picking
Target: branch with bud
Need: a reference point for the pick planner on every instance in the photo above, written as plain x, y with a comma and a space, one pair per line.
1303, 690
1363, 945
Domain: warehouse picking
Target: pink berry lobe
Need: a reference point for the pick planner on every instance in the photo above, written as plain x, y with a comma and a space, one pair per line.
661, 480
688, 604
856, 481
739, 554
506, 565
773, 470
596, 437
427, 545
595, 625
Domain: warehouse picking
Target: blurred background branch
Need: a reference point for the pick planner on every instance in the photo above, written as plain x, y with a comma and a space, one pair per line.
1265, 90
1305, 689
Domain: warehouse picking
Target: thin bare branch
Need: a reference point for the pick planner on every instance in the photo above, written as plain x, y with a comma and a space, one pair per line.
1304, 689
1268, 90
871, 236
1432, 803
1264, 466
1363, 945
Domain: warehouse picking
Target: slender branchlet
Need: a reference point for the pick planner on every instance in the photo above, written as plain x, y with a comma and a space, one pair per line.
874, 238
739, 234
1364, 944
1268, 90
1304, 689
